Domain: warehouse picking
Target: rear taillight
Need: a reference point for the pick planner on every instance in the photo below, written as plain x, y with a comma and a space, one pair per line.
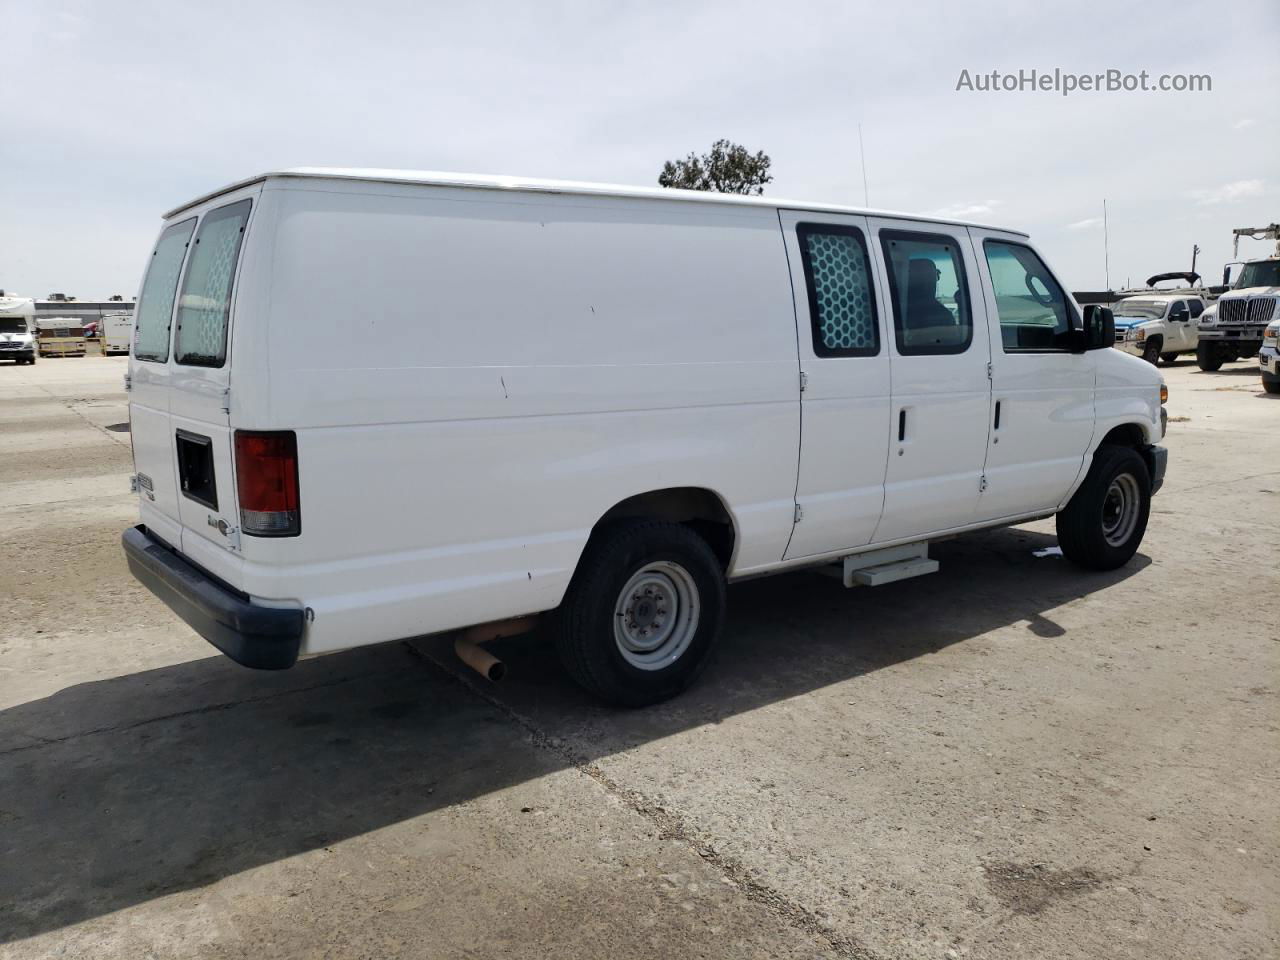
267, 483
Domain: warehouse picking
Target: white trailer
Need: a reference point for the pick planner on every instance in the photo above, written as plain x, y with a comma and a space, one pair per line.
117, 333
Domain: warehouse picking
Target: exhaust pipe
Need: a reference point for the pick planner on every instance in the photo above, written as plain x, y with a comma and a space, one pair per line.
467, 645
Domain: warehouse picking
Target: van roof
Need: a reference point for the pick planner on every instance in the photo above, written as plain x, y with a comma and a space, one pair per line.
480, 181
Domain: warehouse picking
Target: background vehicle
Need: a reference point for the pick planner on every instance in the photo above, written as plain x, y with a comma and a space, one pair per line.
604, 403
60, 337
1269, 358
117, 333
1158, 327
1234, 329
17, 329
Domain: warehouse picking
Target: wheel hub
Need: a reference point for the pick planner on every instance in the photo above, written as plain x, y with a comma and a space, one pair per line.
656, 615
1120, 509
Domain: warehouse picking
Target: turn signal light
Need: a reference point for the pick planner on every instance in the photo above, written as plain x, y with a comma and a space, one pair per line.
267, 483
1164, 393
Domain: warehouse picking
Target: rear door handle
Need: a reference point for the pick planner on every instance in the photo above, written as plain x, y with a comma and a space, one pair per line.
997, 423
902, 424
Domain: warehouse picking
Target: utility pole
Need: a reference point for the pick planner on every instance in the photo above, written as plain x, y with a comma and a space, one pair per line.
1195, 252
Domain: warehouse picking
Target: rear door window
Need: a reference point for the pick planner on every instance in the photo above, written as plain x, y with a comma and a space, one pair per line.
155, 308
930, 298
205, 303
842, 305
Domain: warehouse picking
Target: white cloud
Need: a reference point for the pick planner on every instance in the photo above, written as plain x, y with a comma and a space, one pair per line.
1243, 123
1228, 192
1085, 224
965, 210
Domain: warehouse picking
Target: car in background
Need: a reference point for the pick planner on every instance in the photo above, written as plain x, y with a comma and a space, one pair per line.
1158, 327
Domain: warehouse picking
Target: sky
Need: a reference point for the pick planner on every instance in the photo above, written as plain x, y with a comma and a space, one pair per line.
115, 111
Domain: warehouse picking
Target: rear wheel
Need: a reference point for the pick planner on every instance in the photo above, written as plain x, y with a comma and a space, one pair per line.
1208, 357
642, 613
1102, 525
1151, 351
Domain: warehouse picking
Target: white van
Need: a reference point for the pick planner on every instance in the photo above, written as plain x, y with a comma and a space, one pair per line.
369, 405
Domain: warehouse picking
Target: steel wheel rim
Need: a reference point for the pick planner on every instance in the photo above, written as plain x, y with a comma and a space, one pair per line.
1120, 510
656, 615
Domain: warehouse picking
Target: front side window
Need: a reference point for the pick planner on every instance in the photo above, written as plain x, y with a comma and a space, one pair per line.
1197, 307
1035, 316
842, 304
931, 312
205, 303
155, 307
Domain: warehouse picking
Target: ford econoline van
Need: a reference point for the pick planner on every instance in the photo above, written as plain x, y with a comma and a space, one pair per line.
369, 405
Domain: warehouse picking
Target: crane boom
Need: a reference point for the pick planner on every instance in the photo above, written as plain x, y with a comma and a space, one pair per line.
1270, 232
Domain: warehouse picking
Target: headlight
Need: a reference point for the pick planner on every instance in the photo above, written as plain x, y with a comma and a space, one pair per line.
1140, 334
1271, 335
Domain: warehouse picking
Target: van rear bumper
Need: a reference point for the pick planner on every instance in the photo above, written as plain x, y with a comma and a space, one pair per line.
265, 638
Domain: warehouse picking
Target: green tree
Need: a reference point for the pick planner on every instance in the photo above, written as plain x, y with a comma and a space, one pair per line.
728, 168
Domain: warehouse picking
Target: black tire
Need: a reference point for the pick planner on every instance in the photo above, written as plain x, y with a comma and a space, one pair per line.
1083, 524
1151, 350
1208, 357
587, 640
1168, 357
1271, 384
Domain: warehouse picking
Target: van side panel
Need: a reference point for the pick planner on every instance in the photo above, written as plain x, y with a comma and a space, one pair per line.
476, 377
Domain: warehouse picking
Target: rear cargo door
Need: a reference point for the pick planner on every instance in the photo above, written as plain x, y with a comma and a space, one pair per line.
149, 382
200, 378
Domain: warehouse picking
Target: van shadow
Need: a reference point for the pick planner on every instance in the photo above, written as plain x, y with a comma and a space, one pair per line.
119, 791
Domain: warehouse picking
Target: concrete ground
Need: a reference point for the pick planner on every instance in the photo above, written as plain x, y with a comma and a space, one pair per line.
1008, 759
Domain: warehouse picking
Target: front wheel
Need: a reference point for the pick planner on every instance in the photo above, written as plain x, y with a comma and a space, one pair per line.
1271, 384
1151, 352
642, 613
1168, 357
1102, 524
1208, 357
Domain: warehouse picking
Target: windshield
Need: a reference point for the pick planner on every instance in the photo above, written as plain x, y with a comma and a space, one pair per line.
13, 325
1143, 309
1263, 273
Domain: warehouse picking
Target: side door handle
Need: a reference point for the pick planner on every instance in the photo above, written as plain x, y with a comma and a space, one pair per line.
902, 424
997, 421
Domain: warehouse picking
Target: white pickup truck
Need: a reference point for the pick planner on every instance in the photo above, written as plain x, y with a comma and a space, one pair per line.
1158, 327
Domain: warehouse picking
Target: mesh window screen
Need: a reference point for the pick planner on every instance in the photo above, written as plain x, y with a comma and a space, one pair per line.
206, 291
155, 309
840, 291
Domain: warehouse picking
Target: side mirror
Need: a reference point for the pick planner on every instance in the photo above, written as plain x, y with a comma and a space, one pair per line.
1099, 327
